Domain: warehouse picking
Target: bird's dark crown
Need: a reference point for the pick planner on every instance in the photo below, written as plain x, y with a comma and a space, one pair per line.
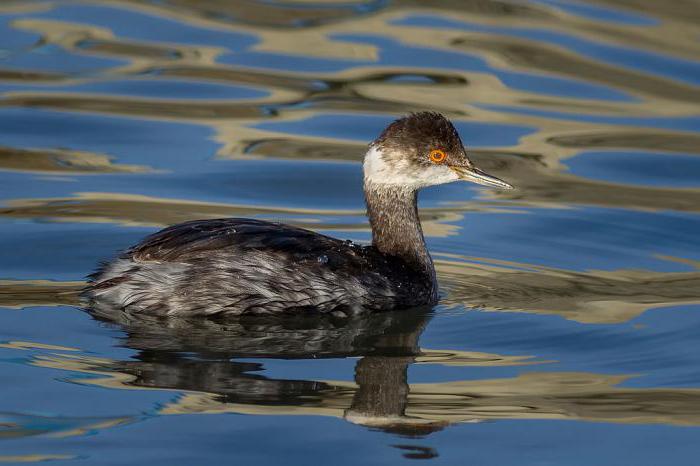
419, 133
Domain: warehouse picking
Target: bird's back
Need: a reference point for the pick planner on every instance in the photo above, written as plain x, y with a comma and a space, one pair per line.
244, 266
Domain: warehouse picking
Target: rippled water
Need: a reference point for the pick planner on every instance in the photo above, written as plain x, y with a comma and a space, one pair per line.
568, 327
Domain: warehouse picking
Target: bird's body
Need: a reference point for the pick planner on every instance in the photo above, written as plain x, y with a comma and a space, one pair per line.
243, 266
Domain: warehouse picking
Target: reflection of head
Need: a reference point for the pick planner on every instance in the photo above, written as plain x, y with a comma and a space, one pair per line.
382, 396
405, 426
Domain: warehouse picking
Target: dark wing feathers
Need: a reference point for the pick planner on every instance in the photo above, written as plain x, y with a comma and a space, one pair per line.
301, 259
194, 239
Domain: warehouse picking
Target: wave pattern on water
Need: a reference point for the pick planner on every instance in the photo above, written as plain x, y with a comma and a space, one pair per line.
574, 297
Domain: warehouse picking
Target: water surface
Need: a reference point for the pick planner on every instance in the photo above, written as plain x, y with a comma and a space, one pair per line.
567, 331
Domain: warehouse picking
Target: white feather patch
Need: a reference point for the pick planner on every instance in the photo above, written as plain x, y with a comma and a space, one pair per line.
378, 171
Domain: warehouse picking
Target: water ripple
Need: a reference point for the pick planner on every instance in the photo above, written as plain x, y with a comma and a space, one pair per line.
573, 297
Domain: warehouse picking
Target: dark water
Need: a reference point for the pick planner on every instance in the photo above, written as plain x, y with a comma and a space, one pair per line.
568, 327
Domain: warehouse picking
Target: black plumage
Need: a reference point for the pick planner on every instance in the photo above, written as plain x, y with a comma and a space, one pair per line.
219, 266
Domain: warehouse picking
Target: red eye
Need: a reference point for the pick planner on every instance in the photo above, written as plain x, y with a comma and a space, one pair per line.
437, 156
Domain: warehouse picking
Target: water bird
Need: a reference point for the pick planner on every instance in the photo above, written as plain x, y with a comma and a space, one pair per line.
240, 266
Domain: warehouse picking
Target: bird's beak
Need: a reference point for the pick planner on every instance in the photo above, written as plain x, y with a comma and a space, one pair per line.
475, 175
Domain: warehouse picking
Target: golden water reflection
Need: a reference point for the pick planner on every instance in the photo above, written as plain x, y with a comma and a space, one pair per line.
58, 161
18, 294
592, 296
371, 89
219, 379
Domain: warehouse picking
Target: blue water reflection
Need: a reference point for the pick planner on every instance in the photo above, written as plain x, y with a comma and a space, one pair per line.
651, 63
642, 168
567, 327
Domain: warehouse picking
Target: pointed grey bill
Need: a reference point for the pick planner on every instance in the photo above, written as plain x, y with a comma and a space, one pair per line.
475, 175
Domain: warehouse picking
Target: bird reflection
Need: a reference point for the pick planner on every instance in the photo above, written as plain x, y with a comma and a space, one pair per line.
205, 355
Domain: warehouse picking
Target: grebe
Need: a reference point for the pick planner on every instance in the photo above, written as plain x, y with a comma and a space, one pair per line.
238, 266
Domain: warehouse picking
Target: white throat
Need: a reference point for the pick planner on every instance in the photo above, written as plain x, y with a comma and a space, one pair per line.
400, 172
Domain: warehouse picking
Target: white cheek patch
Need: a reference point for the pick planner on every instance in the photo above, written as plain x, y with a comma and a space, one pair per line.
438, 174
378, 171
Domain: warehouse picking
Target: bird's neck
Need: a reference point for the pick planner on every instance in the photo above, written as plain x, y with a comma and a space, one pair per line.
396, 229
